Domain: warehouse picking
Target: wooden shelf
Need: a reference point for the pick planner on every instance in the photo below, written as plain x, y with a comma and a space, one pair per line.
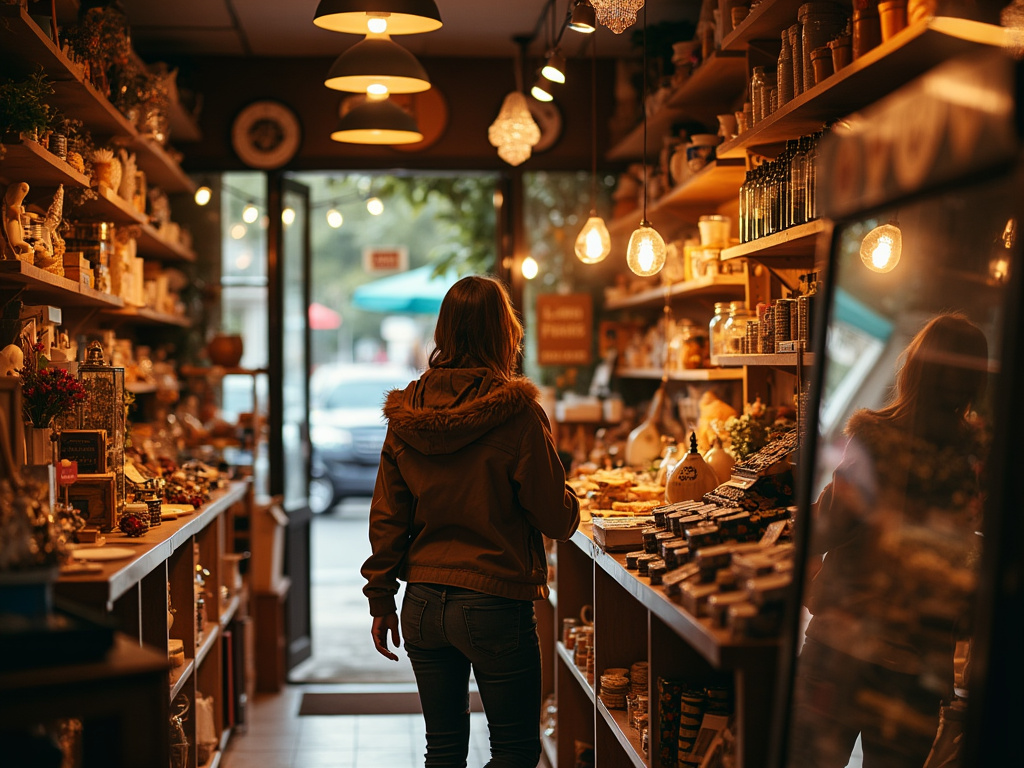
628, 739
710, 90
112, 207
27, 159
566, 656
655, 297
23, 46
147, 316
717, 646
799, 243
765, 21
153, 547
692, 374
867, 79
179, 675
42, 287
778, 360
712, 186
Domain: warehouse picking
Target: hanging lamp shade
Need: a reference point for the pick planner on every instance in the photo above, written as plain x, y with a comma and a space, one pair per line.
399, 17
583, 18
377, 65
514, 132
541, 90
617, 15
554, 69
377, 121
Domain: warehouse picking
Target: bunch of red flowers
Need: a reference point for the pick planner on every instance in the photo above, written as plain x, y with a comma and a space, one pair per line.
46, 392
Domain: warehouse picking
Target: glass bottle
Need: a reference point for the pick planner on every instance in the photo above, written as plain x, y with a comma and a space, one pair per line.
744, 208
784, 70
811, 184
757, 204
757, 81
798, 184
716, 329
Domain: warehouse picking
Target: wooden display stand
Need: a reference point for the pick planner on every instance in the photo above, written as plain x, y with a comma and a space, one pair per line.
269, 618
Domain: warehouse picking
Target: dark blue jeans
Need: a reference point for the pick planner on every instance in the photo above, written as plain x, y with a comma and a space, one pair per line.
448, 630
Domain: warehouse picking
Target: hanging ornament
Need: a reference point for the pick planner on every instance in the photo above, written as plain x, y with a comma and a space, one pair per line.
617, 15
514, 132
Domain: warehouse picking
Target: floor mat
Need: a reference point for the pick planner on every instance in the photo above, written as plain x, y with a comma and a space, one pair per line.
388, 703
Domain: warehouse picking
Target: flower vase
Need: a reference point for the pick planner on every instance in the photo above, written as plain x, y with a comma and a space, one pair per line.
38, 445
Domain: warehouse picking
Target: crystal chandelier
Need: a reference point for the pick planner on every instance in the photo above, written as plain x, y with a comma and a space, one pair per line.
514, 132
617, 15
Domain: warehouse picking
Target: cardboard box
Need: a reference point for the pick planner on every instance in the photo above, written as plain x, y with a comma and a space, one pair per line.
267, 545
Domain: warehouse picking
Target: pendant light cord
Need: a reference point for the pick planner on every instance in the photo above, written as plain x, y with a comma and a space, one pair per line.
593, 125
643, 106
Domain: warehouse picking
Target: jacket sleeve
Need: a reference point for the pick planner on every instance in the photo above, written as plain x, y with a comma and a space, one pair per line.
391, 514
551, 506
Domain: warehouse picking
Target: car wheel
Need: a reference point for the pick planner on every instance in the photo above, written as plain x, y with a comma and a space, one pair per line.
321, 495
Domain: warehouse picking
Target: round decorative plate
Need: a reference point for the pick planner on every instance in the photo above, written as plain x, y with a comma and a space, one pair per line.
104, 553
549, 120
266, 134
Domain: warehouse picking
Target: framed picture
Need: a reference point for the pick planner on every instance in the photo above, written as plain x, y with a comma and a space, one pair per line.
86, 446
93, 496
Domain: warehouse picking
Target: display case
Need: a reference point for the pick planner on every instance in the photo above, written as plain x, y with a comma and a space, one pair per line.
903, 645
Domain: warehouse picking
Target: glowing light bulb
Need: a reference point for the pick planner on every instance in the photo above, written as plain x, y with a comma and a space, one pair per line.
377, 24
593, 243
203, 195
645, 254
238, 231
375, 206
529, 268
881, 248
377, 89
540, 93
334, 218
288, 216
250, 213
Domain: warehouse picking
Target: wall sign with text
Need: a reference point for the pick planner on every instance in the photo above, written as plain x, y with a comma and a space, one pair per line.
565, 329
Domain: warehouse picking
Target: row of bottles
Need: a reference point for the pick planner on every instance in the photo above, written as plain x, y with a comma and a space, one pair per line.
780, 193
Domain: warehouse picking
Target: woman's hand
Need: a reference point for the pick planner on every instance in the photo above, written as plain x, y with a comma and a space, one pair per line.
382, 625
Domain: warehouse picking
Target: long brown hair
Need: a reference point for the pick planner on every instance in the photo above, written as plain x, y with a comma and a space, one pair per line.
944, 373
477, 327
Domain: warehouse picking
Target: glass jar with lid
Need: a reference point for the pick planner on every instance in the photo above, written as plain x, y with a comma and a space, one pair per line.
695, 346
735, 328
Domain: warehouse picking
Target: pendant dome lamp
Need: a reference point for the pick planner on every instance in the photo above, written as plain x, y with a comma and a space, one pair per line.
593, 243
583, 19
396, 17
377, 65
378, 120
646, 252
541, 90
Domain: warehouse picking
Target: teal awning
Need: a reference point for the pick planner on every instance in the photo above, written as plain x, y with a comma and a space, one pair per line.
413, 292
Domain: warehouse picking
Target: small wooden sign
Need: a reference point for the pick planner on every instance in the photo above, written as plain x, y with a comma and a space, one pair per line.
564, 329
95, 497
86, 446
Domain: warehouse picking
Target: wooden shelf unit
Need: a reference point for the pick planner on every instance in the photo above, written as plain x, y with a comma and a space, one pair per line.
25, 46
647, 625
133, 593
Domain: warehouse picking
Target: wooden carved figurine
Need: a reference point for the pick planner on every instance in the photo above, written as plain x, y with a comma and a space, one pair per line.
15, 246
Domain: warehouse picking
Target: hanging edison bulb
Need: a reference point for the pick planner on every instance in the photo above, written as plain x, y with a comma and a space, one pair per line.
593, 243
645, 254
881, 248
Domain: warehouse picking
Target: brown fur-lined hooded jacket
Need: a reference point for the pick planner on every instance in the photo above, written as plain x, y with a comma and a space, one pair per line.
469, 479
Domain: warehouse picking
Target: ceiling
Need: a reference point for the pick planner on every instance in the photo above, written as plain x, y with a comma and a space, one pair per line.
284, 28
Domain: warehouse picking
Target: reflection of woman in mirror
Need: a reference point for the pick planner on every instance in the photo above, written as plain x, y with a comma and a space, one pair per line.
896, 530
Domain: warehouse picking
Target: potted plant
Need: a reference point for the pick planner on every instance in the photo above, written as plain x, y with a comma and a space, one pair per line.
24, 111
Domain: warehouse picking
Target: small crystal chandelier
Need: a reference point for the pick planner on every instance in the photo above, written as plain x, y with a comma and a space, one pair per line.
514, 131
617, 15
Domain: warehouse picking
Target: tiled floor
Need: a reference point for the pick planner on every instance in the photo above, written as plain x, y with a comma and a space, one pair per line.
278, 737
